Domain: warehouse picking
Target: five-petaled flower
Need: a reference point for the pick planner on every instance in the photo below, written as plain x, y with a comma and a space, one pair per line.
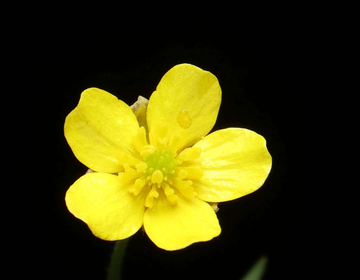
163, 172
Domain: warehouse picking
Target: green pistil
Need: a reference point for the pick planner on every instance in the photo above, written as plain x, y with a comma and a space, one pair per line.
161, 160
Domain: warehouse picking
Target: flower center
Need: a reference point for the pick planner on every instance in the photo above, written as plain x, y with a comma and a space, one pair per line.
158, 172
160, 162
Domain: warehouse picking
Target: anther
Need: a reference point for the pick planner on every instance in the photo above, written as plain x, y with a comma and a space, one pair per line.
157, 177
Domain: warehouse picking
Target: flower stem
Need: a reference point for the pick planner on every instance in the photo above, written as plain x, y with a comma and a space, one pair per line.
117, 257
257, 271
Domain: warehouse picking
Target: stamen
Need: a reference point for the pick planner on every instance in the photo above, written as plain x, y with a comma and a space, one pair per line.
161, 170
193, 172
157, 177
137, 186
125, 158
182, 174
173, 199
149, 201
153, 192
141, 167
189, 154
128, 175
146, 151
170, 194
157, 136
186, 189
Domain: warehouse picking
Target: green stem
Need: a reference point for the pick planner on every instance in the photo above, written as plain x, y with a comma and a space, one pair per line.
257, 271
117, 258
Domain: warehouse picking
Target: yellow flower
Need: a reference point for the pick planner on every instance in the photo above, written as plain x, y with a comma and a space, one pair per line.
165, 174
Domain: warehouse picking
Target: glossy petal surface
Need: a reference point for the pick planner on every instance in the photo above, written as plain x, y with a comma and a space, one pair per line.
235, 162
173, 227
107, 207
187, 98
99, 130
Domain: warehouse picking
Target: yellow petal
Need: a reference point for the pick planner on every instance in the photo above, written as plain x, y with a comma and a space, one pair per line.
173, 227
187, 98
106, 206
235, 162
100, 129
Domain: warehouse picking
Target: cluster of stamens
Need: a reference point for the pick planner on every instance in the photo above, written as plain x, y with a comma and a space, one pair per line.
159, 172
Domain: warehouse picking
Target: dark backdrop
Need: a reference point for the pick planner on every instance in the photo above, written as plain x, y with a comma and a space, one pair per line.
256, 71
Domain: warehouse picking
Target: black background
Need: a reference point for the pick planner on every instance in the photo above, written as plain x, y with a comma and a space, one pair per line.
258, 71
